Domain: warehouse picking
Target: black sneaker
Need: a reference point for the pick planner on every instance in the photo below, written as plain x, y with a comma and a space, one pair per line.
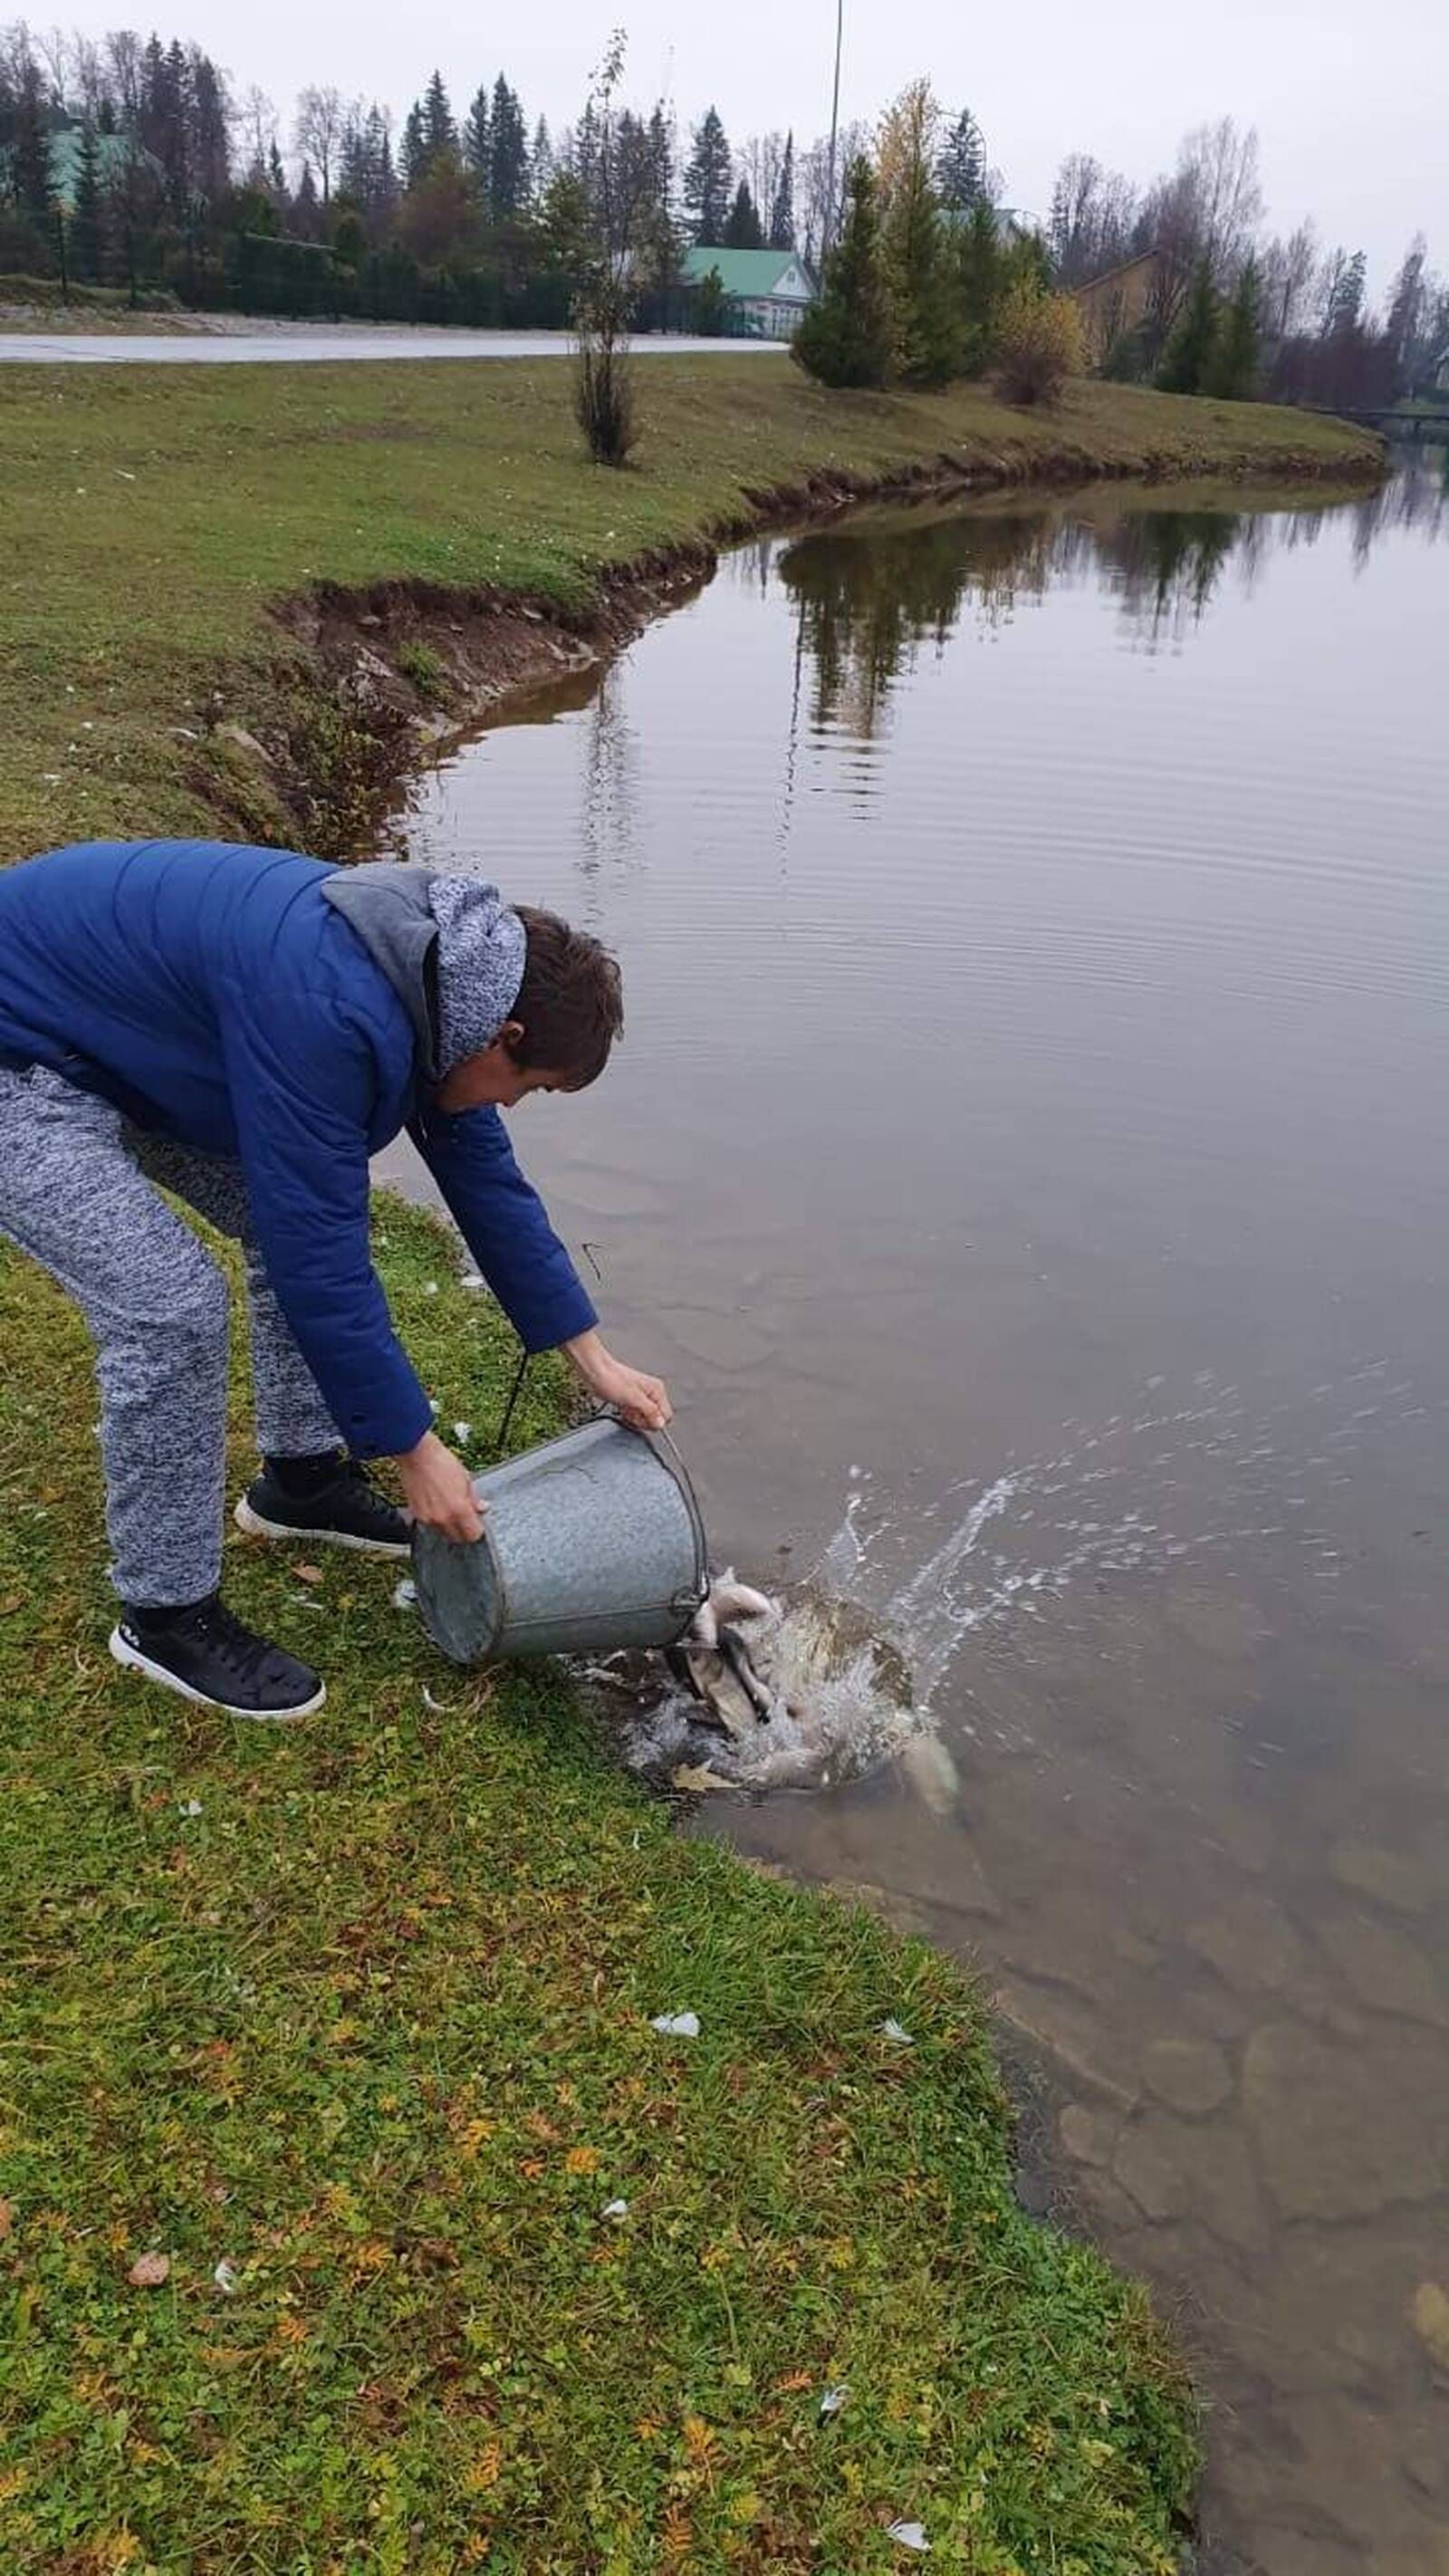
209, 1656
344, 1510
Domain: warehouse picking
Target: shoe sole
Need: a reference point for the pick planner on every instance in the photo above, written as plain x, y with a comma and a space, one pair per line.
255, 1527
131, 1659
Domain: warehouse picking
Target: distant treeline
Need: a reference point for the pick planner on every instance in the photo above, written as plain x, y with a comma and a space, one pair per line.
134, 163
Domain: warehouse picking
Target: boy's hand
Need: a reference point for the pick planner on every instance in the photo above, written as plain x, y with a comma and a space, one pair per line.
642, 1401
439, 1491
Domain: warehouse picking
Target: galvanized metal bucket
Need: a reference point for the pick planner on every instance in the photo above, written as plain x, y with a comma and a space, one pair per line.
589, 1543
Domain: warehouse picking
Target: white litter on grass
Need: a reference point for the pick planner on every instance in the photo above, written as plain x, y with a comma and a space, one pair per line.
895, 2030
833, 2399
225, 2278
908, 2535
430, 1288
618, 2210
191, 1806
472, 1279
462, 1433
683, 2025
439, 1707
404, 1594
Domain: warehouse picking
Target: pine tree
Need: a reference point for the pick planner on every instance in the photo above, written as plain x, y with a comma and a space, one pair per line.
707, 176
1407, 298
508, 171
961, 168
743, 229
172, 100
307, 206
1232, 369
430, 133
926, 313
981, 285
478, 143
440, 134
1343, 303
540, 158
845, 336
210, 126
782, 213
414, 146
1192, 341
86, 239
30, 180
384, 183
709, 307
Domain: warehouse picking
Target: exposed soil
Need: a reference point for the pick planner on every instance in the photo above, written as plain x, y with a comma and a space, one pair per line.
367, 682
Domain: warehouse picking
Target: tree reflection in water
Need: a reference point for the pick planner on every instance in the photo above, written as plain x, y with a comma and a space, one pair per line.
874, 593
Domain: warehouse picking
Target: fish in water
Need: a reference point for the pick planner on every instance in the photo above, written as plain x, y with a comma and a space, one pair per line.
838, 1691
717, 1646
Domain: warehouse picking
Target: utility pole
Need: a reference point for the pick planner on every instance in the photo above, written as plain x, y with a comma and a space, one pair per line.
828, 224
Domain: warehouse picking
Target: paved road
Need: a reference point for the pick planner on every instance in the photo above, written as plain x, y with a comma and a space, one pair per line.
323, 340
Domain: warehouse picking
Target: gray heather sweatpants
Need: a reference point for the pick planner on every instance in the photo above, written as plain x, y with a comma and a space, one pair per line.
77, 1192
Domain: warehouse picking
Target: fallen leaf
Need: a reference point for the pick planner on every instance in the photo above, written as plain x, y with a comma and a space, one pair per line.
308, 1573
793, 2382
149, 2271
12, 1602
7, 2219
908, 2535
683, 2025
1431, 2321
697, 1778
582, 2160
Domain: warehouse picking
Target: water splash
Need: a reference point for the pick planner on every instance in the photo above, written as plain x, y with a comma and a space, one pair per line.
858, 1656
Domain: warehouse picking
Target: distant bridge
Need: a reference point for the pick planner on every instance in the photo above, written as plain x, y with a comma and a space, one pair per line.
1429, 418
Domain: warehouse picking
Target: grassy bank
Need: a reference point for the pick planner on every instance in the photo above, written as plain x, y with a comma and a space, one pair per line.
155, 519
362, 2009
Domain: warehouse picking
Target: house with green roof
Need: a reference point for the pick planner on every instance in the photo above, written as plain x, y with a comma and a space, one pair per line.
765, 291
114, 154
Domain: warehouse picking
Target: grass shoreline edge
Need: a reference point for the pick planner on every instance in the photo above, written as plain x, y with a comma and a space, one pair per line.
271, 593
361, 2013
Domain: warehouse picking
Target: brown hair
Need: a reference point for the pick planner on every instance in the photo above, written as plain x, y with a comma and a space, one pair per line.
570, 1005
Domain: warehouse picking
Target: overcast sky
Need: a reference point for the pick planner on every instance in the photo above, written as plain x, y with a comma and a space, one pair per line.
1350, 103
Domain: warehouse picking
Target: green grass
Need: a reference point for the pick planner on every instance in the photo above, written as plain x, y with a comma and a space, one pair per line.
362, 2008
153, 516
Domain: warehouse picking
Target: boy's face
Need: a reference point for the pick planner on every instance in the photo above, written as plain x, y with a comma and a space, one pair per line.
493, 1078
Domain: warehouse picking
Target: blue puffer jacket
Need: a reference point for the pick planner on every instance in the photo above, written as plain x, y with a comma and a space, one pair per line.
217, 994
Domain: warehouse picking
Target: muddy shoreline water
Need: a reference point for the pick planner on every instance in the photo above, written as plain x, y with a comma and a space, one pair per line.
1151, 780
374, 682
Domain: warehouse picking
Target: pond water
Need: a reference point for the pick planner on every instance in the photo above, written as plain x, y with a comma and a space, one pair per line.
1026, 1161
